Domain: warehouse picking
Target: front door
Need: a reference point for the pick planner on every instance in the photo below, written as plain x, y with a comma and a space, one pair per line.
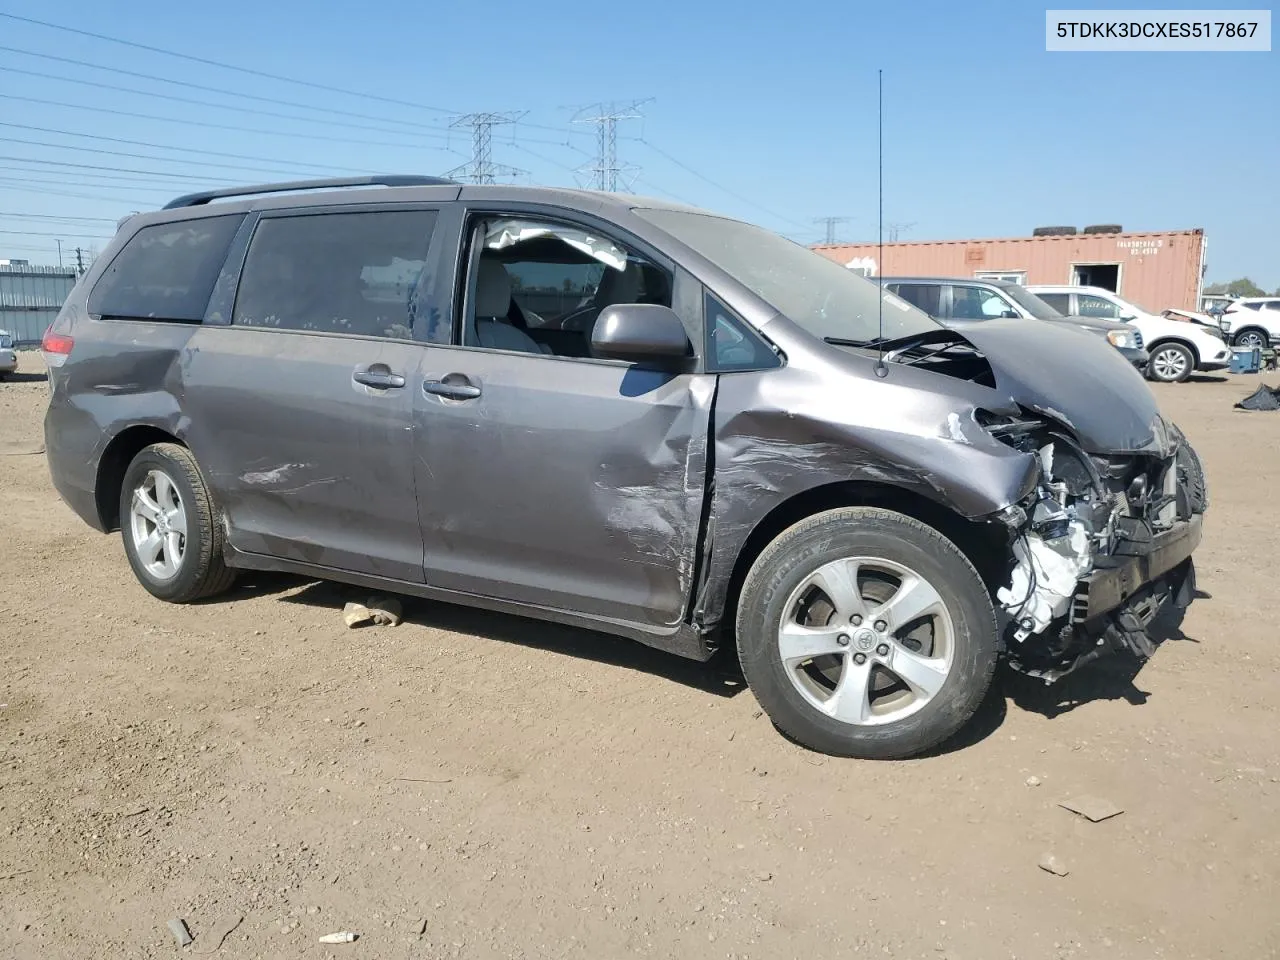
548, 477
302, 410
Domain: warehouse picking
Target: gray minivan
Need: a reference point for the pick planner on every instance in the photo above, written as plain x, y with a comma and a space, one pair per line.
625, 415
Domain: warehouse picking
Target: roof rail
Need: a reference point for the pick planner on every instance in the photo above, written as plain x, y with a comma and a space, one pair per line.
396, 180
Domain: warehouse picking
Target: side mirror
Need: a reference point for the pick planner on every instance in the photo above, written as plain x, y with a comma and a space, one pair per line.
1009, 315
1126, 317
640, 333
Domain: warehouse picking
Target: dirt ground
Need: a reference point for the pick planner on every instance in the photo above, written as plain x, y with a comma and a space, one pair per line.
475, 785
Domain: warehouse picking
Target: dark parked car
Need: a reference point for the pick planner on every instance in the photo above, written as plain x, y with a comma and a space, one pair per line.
960, 301
734, 442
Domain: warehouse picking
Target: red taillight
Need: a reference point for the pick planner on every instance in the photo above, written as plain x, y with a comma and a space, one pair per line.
56, 347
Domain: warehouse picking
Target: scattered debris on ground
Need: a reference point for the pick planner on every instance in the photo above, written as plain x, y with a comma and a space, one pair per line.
380, 611
1264, 398
178, 927
1033, 781
1051, 864
345, 936
1092, 808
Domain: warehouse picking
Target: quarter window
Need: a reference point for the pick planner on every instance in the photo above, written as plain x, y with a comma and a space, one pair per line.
353, 273
731, 344
165, 271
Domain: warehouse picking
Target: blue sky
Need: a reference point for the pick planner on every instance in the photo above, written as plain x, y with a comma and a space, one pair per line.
766, 112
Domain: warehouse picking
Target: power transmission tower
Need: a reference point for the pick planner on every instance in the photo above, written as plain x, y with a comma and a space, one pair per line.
481, 168
831, 223
893, 229
604, 172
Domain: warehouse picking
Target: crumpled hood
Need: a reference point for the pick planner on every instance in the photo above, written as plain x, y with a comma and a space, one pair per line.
1076, 378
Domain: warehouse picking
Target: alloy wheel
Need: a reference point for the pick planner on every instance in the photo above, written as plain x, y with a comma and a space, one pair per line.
158, 524
866, 640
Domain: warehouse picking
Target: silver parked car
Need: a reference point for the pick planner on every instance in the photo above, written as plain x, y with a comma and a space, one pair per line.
626, 415
8, 356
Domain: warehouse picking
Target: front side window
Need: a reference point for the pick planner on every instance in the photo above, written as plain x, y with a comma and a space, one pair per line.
353, 273
165, 271
824, 298
978, 303
1090, 305
538, 286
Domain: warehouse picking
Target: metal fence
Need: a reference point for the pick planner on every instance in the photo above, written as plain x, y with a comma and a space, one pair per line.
30, 297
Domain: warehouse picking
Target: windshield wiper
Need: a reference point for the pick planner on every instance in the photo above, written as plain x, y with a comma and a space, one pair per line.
842, 342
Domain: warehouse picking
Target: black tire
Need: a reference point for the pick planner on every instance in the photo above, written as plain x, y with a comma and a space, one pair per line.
866, 532
1263, 338
1165, 373
201, 571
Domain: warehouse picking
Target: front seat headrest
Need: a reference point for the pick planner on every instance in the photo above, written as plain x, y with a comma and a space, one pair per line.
493, 289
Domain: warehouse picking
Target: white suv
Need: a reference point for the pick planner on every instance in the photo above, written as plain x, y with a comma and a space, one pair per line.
1177, 347
1252, 321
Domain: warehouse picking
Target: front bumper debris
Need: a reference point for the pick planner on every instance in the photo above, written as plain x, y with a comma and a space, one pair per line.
1100, 548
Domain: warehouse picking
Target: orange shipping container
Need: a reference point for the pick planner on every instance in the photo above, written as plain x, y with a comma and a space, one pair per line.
1153, 270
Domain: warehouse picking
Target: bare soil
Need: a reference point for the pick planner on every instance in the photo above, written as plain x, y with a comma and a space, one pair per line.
513, 789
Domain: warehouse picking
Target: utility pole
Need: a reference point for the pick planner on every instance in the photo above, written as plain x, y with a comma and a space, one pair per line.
59, 254
604, 171
481, 168
894, 228
79, 262
831, 223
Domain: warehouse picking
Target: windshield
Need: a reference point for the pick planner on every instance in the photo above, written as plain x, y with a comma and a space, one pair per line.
818, 294
1031, 303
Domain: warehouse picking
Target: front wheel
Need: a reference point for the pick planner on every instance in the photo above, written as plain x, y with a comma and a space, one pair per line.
865, 633
1170, 363
170, 529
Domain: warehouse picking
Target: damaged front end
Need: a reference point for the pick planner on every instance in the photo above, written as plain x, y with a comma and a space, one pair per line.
1099, 548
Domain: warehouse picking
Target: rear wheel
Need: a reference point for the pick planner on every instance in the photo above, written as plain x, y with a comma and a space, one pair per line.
1170, 363
865, 633
1250, 338
169, 526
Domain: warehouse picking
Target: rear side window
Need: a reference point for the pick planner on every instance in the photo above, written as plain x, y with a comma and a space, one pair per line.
922, 295
165, 271
1059, 301
354, 273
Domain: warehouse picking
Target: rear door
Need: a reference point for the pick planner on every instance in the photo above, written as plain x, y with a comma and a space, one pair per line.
301, 386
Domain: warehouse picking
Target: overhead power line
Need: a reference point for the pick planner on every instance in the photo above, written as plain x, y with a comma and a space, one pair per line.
719, 186
144, 156
53, 217
161, 146
235, 108
64, 236
90, 166
224, 66
18, 184
225, 126
831, 223
156, 182
208, 89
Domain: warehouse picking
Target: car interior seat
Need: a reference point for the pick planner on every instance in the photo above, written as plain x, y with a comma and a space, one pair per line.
492, 306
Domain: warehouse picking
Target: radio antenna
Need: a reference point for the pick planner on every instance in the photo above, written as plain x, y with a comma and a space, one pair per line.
882, 370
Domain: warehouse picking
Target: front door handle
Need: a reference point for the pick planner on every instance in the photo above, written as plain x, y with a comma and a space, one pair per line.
378, 375
454, 386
